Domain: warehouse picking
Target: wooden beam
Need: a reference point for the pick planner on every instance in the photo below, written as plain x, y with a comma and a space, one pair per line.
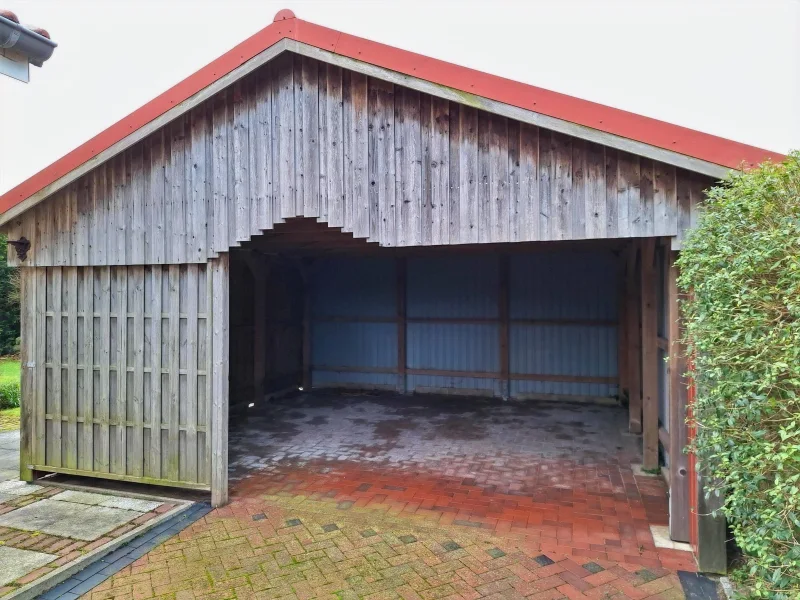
402, 383
679, 503
633, 326
622, 327
503, 331
219, 271
649, 350
28, 318
307, 298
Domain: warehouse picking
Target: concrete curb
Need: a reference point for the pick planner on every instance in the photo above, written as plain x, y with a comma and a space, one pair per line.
41, 585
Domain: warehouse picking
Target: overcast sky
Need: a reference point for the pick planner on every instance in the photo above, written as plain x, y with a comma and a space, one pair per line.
727, 67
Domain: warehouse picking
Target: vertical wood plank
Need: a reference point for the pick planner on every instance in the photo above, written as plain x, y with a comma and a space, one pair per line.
664, 200
633, 305
283, 132
156, 324
70, 460
119, 440
87, 462
647, 199
54, 457
40, 353
220, 171
562, 193
649, 355
192, 292
137, 205
454, 192
173, 365
102, 303
82, 218
384, 174
241, 162
308, 137
483, 224
426, 203
547, 218
155, 230
577, 218
260, 152
596, 210
679, 503
219, 269
135, 451
612, 193
440, 172
528, 198
197, 249
333, 149
469, 180
357, 157
28, 318
499, 210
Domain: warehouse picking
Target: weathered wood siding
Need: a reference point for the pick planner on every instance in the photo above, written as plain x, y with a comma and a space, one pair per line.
390, 164
116, 372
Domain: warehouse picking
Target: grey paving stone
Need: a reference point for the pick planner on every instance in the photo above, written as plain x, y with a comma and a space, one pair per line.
81, 497
15, 563
19, 488
67, 519
85, 586
136, 504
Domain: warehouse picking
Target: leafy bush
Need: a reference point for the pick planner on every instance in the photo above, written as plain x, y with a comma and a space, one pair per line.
9, 394
740, 272
9, 302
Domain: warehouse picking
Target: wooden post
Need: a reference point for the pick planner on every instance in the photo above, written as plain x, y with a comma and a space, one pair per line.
634, 340
220, 272
649, 355
260, 274
503, 334
622, 327
678, 398
402, 382
307, 291
27, 394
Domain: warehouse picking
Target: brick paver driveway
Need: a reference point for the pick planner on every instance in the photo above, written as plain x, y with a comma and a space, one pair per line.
337, 496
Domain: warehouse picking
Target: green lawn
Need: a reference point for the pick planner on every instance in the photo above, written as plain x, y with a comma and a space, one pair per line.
9, 369
9, 372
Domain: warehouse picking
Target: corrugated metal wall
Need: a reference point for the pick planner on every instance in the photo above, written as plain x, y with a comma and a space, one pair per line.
562, 313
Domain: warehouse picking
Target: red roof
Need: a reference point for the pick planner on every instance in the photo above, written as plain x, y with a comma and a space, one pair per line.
642, 129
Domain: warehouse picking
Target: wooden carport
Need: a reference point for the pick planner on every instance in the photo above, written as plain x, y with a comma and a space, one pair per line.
125, 319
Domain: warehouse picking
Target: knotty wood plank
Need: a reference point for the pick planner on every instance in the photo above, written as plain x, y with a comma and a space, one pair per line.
385, 173
649, 355
469, 179
54, 455
117, 238
196, 239
499, 206
119, 438
679, 501
28, 317
426, 208
135, 450
81, 219
220, 173
612, 192
577, 217
483, 224
260, 112
137, 205
241, 162
87, 462
70, 458
283, 132
596, 212
647, 200
156, 324
306, 91
547, 219
562, 193
177, 214
219, 271
665, 200
190, 459
155, 235
333, 148
440, 172
40, 354
231, 204
356, 157
173, 366
454, 158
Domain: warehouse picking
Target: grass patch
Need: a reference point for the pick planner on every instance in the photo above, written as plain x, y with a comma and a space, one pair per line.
9, 370
9, 419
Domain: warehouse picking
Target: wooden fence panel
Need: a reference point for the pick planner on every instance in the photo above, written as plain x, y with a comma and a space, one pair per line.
116, 373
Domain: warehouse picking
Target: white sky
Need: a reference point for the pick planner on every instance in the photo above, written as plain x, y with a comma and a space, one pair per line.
727, 67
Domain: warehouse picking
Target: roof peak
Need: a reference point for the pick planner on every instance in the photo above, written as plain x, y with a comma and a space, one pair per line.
283, 15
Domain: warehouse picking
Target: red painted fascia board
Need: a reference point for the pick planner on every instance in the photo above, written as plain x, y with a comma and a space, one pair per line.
561, 106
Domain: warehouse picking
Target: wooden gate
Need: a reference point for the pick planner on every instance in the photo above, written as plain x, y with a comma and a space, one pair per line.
116, 373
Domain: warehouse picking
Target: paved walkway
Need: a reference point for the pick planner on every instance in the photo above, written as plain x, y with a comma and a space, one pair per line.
9, 455
391, 497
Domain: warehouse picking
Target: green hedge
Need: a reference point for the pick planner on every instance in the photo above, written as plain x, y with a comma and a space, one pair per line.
740, 271
9, 394
9, 304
